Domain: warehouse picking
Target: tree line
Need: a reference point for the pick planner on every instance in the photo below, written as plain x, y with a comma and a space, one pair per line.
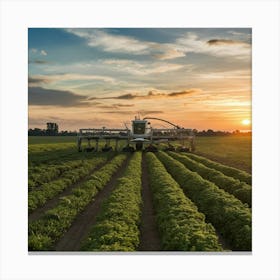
209, 132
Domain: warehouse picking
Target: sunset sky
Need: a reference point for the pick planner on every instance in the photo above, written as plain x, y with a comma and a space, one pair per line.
89, 78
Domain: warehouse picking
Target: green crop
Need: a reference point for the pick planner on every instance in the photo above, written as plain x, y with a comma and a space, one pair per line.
229, 171
181, 226
117, 228
43, 233
229, 215
239, 189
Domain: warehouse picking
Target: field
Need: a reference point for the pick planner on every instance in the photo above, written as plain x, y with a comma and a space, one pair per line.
232, 150
163, 201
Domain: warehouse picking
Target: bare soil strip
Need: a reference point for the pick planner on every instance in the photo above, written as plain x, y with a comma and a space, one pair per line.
39, 212
71, 240
149, 236
223, 242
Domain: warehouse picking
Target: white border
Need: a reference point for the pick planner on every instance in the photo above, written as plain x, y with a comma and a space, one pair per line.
262, 16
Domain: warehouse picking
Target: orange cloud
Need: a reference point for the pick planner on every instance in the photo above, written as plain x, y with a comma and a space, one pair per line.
151, 95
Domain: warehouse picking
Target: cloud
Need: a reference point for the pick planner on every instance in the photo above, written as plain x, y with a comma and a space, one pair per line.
191, 43
115, 106
37, 61
50, 97
125, 44
141, 112
36, 80
168, 52
40, 52
233, 74
217, 42
151, 95
69, 77
184, 92
111, 43
43, 52
136, 68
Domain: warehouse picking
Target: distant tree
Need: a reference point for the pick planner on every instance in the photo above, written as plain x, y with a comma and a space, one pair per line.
52, 129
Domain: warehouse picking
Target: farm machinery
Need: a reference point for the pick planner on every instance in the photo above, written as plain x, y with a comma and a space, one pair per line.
141, 136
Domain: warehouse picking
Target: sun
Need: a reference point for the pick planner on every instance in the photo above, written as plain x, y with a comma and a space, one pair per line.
246, 122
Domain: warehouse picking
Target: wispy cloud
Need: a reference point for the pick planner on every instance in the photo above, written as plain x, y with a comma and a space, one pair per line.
151, 95
32, 81
39, 52
141, 69
191, 43
37, 61
38, 79
115, 106
131, 112
234, 74
111, 43
43, 52
220, 42
125, 44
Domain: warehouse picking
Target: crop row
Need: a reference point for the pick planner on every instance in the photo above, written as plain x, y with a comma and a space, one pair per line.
52, 156
181, 226
117, 226
229, 171
229, 215
43, 233
240, 190
45, 173
38, 148
38, 197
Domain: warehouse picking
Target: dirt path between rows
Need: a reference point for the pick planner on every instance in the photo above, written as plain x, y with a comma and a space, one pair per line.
223, 242
149, 236
71, 240
39, 212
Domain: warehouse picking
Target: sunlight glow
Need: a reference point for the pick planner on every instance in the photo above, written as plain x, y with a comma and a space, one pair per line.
246, 122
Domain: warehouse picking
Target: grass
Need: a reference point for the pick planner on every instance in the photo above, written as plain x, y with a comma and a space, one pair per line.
235, 151
51, 139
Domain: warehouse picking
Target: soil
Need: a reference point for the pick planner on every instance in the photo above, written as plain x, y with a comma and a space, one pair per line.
72, 239
149, 236
223, 242
39, 212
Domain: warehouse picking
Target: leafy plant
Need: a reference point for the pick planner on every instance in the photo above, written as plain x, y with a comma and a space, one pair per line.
44, 232
181, 226
227, 170
229, 215
239, 189
116, 228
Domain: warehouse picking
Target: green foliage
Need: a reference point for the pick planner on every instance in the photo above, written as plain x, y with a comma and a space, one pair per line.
44, 232
239, 189
116, 228
45, 173
181, 226
38, 196
229, 215
229, 171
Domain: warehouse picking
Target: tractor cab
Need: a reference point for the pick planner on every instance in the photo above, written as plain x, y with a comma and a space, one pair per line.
139, 128
140, 131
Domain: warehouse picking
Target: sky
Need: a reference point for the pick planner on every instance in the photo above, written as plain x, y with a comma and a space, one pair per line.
197, 78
